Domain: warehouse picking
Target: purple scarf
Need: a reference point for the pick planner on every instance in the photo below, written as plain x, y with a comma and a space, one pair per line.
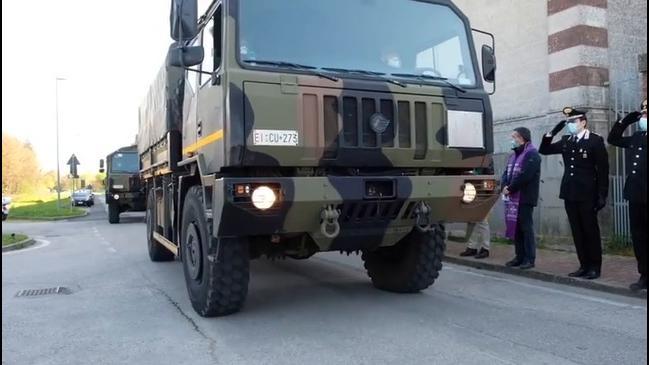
514, 168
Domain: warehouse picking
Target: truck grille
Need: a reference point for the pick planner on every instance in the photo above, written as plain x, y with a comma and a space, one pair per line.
353, 213
347, 122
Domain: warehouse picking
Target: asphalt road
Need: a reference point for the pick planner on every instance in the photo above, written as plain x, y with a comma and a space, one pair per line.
124, 309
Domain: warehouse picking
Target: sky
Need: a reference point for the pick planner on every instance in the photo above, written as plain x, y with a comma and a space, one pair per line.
108, 51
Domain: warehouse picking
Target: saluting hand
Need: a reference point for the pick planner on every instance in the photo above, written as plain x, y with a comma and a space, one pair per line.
631, 118
558, 128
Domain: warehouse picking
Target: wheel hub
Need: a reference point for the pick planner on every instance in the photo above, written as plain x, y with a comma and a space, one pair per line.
193, 252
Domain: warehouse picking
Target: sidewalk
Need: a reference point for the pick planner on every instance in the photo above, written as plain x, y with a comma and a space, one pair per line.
553, 266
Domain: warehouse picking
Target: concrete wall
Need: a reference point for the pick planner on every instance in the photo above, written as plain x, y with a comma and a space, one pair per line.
521, 47
627, 32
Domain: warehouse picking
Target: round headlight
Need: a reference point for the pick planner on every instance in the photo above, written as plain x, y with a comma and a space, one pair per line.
470, 193
116, 196
263, 197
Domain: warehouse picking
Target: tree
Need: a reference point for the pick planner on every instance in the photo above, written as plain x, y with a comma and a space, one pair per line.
20, 169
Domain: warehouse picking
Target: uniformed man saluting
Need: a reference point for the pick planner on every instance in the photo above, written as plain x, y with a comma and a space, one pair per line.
584, 187
635, 189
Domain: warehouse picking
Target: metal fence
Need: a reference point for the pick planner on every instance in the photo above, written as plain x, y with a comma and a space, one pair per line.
624, 97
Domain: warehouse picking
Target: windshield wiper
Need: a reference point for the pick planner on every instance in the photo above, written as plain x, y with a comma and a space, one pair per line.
294, 66
380, 75
433, 78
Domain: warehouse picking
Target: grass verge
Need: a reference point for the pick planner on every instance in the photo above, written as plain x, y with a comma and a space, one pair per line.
39, 209
11, 238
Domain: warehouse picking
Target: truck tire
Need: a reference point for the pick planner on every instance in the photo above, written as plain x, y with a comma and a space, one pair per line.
157, 252
216, 270
113, 213
411, 265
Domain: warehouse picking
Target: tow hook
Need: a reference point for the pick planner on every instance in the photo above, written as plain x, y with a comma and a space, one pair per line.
423, 220
330, 227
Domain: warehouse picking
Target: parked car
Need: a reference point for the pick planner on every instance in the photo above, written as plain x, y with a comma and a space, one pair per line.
83, 197
5, 207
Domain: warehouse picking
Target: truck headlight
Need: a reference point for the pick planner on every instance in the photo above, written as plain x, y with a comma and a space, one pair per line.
263, 198
116, 196
470, 193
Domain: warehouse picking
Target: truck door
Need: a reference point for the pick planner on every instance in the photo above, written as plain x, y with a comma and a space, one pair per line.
189, 108
209, 122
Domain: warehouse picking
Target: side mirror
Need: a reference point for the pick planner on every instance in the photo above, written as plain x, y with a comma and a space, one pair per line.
185, 56
101, 166
488, 63
183, 20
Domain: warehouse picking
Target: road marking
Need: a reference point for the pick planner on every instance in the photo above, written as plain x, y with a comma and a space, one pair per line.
42, 243
546, 289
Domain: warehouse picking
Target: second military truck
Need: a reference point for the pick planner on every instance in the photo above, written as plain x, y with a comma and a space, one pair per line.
124, 190
291, 127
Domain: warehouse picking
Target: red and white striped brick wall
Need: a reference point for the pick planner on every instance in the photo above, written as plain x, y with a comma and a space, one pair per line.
578, 51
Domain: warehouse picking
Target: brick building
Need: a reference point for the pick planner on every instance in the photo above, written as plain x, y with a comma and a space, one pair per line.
552, 53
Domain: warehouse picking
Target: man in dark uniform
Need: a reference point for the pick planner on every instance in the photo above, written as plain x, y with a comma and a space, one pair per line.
584, 187
635, 189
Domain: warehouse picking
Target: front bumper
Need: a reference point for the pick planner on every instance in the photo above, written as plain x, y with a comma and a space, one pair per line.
302, 200
128, 198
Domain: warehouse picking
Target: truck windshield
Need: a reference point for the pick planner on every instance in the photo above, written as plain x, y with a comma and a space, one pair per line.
388, 37
125, 163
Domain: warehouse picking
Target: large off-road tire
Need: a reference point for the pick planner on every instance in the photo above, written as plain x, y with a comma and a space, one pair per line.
216, 269
157, 252
113, 213
411, 265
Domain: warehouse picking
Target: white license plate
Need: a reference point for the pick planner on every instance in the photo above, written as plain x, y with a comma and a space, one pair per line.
268, 137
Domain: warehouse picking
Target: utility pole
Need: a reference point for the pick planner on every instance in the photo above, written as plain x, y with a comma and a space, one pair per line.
58, 169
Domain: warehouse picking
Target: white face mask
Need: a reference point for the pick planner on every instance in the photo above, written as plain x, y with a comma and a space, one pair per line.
643, 124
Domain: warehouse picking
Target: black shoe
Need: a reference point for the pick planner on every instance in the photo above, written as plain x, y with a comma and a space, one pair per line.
579, 273
513, 263
526, 266
639, 285
483, 254
469, 252
592, 275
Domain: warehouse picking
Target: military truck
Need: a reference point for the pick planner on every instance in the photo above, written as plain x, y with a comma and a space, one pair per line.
124, 190
291, 127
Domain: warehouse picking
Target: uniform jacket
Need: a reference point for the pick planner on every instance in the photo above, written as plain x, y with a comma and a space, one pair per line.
586, 166
635, 189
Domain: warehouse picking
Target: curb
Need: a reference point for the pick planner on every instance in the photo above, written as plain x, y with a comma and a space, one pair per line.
552, 278
18, 245
47, 219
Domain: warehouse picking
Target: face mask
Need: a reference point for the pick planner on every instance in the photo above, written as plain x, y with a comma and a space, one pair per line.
643, 124
573, 129
515, 144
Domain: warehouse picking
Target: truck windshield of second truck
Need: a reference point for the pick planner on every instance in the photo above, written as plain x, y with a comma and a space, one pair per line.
125, 163
382, 37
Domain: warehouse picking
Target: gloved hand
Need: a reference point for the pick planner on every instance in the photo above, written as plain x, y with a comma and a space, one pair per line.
631, 118
558, 128
601, 204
